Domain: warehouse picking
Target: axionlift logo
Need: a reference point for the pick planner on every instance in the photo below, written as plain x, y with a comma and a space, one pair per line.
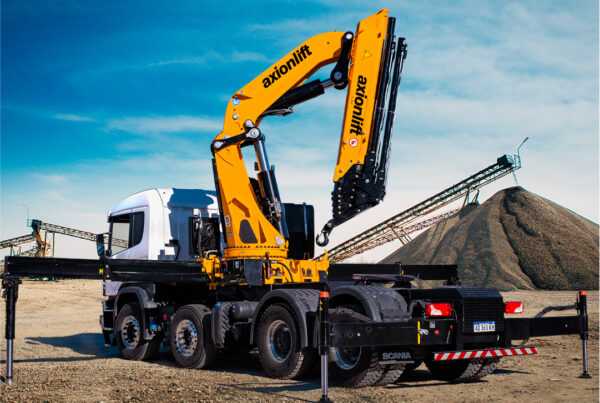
360, 97
299, 56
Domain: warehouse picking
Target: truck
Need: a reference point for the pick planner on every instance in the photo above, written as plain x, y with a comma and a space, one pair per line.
202, 272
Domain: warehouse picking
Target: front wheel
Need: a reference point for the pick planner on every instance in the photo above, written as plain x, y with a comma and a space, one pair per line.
278, 343
130, 335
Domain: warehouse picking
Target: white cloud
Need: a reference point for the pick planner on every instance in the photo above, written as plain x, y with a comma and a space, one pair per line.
50, 179
247, 57
299, 29
165, 124
71, 117
290, 25
183, 60
211, 57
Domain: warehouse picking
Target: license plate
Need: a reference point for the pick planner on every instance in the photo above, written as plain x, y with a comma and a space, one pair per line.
481, 327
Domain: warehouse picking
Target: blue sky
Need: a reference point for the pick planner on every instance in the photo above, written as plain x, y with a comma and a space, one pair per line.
103, 99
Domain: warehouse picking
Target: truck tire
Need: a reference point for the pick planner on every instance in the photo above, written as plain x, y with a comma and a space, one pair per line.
488, 367
412, 366
190, 340
354, 367
129, 335
409, 369
278, 341
391, 374
462, 370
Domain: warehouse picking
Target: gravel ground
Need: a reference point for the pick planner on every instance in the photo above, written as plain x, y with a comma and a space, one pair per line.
60, 357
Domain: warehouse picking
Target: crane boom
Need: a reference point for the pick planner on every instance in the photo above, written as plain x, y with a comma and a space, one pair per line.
255, 222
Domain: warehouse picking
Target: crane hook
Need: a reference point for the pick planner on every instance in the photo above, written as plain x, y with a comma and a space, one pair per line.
323, 238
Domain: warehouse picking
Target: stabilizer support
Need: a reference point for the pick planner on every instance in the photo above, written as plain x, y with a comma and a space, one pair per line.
11, 293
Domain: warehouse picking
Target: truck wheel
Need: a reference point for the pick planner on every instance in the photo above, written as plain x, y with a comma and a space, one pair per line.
488, 367
409, 369
130, 335
354, 367
462, 370
391, 374
191, 344
278, 343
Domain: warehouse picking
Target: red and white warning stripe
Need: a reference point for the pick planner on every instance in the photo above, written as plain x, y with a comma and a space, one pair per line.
489, 353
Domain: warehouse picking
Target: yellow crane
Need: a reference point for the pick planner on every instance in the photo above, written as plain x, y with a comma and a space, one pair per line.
255, 221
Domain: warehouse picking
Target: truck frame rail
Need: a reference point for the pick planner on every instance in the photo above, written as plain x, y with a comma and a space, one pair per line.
396, 335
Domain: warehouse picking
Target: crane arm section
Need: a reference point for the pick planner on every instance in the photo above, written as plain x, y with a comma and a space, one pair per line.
252, 215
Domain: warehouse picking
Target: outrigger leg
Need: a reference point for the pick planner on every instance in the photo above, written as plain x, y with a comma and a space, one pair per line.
11, 293
324, 342
583, 332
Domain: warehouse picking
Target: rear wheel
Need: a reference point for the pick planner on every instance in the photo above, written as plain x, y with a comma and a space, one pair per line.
278, 341
130, 335
190, 340
409, 369
462, 370
354, 367
412, 366
391, 374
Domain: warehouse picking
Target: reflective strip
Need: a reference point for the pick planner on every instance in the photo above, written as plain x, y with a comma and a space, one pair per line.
489, 353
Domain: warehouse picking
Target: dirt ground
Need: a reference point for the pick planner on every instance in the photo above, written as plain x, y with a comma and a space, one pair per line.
60, 357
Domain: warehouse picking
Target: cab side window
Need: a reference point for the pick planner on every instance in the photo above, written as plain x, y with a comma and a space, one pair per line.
126, 230
137, 229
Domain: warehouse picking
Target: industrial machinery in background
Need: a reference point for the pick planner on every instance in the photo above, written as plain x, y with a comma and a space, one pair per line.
20, 245
420, 216
204, 272
42, 240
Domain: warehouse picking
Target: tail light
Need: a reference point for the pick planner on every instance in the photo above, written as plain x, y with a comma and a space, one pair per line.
438, 310
513, 307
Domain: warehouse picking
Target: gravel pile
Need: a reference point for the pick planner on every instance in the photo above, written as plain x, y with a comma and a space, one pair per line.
515, 240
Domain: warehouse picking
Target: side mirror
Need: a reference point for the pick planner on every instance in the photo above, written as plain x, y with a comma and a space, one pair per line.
100, 249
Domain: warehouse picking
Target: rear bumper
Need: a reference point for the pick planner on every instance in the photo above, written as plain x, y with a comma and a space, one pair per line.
486, 353
447, 337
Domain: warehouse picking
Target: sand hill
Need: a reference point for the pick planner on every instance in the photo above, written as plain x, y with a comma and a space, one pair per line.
515, 240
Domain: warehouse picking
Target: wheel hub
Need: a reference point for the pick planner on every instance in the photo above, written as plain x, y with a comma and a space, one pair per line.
280, 340
186, 338
130, 332
347, 358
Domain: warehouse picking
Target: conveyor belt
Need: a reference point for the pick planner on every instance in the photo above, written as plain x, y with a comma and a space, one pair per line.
387, 230
16, 241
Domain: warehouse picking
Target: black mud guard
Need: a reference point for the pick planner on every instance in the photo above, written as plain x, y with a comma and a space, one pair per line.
220, 322
144, 294
300, 301
379, 303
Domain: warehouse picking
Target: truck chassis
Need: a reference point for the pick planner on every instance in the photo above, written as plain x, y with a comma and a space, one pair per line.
374, 326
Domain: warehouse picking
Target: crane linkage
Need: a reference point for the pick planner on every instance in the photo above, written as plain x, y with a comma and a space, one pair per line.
256, 224
379, 234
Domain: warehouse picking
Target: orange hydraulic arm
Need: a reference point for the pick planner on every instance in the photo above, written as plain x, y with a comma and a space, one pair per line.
253, 216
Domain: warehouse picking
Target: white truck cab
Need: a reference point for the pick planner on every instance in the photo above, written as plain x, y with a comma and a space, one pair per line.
161, 224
